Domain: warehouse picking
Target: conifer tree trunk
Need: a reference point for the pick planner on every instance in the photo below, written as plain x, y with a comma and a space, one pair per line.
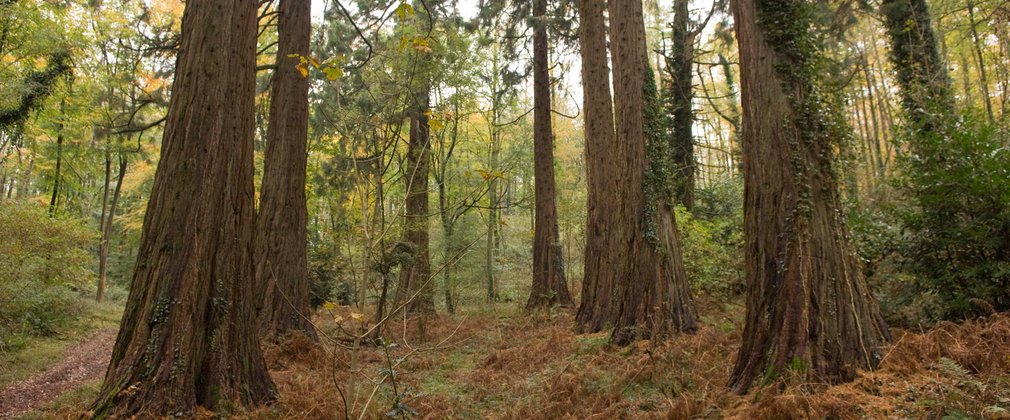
926, 93
596, 307
680, 100
810, 315
651, 290
282, 221
188, 335
416, 284
549, 284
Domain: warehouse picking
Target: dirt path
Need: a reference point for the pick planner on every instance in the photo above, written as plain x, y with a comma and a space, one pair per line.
82, 363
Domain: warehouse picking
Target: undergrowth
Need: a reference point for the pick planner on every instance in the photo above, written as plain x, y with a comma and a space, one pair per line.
511, 365
533, 367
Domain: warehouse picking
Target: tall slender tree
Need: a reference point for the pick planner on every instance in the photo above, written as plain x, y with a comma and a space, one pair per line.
416, 287
549, 283
809, 310
108, 215
188, 336
282, 221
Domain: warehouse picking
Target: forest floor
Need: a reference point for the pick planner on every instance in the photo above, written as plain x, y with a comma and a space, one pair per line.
506, 364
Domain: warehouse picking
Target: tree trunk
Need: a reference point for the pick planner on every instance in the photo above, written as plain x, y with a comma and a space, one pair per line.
59, 160
983, 77
494, 197
596, 308
449, 247
862, 131
282, 221
450, 254
680, 100
925, 87
810, 314
652, 293
103, 253
188, 334
416, 287
102, 248
24, 184
969, 99
549, 284
875, 118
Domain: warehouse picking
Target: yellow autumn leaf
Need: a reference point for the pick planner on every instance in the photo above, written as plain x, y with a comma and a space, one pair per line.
304, 71
421, 44
333, 72
404, 10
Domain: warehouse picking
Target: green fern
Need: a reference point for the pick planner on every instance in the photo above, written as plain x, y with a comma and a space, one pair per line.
952, 368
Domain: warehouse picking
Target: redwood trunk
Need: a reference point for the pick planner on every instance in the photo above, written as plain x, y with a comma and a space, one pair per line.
651, 287
282, 221
681, 99
549, 284
188, 336
810, 315
596, 308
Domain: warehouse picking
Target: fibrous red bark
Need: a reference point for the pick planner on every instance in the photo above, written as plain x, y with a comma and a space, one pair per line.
188, 336
810, 314
596, 307
549, 284
282, 221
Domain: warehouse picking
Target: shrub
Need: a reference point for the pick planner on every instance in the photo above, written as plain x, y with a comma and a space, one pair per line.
323, 272
44, 263
875, 222
712, 238
958, 226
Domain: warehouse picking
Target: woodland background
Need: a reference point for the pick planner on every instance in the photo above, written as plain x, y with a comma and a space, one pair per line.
84, 92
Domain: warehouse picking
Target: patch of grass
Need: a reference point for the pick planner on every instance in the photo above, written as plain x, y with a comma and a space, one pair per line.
442, 381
